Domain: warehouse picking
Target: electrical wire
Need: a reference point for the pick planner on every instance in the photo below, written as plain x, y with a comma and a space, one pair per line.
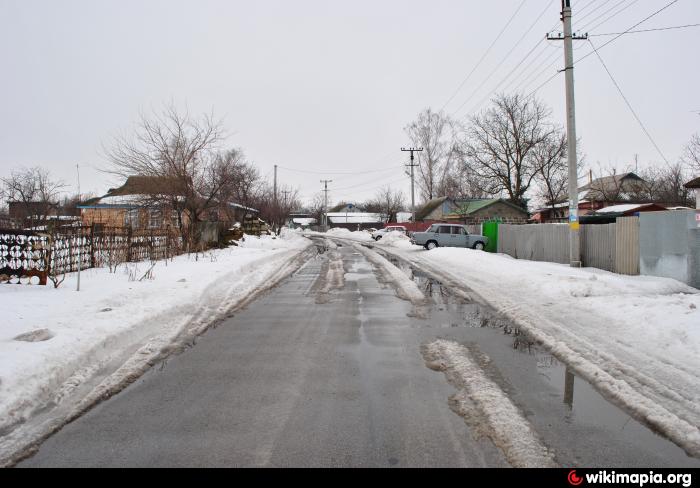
488, 50
503, 60
645, 30
629, 105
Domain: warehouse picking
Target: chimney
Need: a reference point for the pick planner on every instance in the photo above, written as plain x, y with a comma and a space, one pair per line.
590, 176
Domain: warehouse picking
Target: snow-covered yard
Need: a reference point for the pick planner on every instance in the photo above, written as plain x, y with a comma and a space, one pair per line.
636, 338
119, 322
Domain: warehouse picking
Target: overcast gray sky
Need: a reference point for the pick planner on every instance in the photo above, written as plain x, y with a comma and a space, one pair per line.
327, 86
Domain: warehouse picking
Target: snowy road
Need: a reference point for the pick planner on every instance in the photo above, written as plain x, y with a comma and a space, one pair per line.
346, 364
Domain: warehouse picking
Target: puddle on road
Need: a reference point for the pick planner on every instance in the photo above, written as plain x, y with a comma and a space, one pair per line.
577, 401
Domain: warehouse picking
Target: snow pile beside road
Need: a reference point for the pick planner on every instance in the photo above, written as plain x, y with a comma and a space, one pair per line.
395, 239
635, 338
486, 407
345, 233
288, 238
116, 317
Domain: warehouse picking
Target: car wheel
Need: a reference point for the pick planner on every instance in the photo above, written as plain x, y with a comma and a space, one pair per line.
377, 238
431, 245
479, 246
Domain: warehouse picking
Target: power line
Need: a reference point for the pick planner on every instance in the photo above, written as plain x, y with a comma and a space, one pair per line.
646, 30
629, 105
488, 50
631, 28
583, 17
505, 57
605, 44
326, 172
610, 10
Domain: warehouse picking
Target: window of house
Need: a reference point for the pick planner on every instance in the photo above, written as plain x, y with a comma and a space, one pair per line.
175, 222
131, 218
155, 218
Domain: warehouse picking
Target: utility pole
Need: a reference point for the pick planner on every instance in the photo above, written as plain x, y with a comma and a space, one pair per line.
574, 225
275, 209
413, 193
80, 230
325, 205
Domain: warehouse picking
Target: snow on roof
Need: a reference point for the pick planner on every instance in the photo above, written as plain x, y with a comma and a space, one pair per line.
621, 208
354, 218
402, 217
304, 221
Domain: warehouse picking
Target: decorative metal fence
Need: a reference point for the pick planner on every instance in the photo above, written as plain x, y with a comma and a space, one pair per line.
32, 257
23, 257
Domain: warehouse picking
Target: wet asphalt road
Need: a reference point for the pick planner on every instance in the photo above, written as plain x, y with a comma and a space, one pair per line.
322, 373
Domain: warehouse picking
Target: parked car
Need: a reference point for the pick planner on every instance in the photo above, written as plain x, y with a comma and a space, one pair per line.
449, 235
390, 228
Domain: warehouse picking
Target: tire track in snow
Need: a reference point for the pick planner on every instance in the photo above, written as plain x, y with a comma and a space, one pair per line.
486, 407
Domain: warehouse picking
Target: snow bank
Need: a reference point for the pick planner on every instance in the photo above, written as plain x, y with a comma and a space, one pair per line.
635, 338
486, 407
114, 318
359, 236
395, 239
406, 288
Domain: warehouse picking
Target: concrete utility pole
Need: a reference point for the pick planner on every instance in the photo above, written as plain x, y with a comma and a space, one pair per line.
413, 193
325, 205
568, 38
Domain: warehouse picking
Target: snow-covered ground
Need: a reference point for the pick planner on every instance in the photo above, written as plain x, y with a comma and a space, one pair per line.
635, 338
117, 323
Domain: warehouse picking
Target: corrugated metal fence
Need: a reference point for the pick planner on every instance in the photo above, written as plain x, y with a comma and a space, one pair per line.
613, 247
627, 245
539, 242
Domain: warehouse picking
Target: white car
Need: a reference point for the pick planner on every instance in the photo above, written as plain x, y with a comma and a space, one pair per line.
391, 228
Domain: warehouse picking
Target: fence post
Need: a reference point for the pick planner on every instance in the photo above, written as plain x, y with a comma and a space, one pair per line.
128, 244
92, 246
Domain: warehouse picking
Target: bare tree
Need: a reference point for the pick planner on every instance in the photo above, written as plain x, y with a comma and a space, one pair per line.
435, 133
691, 154
501, 144
317, 207
387, 202
181, 150
34, 192
553, 169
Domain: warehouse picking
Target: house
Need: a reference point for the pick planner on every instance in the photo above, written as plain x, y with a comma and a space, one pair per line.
31, 214
354, 220
150, 203
300, 219
472, 211
138, 204
610, 190
609, 215
695, 185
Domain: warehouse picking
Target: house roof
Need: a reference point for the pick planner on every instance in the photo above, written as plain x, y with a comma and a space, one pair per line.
693, 183
609, 185
626, 210
423, 212
149, 185
466, 207
354, 218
